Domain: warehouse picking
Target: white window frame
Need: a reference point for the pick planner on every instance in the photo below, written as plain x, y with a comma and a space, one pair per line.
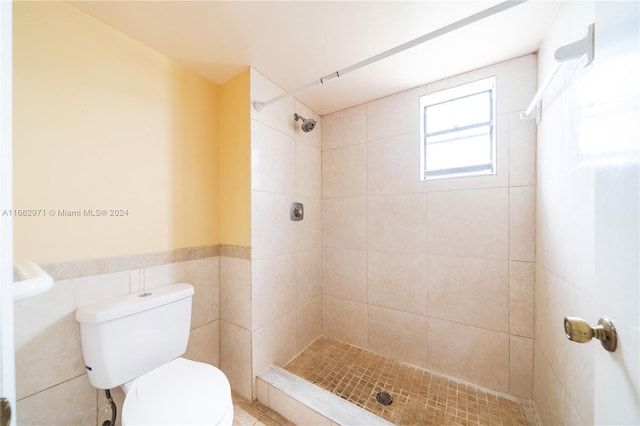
451, 95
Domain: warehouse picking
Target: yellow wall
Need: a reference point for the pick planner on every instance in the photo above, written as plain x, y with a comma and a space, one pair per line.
235, 161
103, 122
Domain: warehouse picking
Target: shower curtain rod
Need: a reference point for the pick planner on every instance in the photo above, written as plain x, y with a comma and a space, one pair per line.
575, 50
500, 7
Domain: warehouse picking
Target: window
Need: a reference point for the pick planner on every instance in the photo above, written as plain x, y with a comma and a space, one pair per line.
457, 131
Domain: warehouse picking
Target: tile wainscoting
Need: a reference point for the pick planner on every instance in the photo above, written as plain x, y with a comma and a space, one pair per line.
52, 387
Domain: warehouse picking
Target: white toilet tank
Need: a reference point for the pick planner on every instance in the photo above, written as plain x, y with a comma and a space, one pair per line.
126, 337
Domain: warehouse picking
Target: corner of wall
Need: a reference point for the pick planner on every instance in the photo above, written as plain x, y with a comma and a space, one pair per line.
235, 161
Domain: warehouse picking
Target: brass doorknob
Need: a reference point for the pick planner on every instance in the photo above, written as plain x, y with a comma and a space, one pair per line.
578, 330
5, 412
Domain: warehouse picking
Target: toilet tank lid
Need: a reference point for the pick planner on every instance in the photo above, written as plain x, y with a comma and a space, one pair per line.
132, 303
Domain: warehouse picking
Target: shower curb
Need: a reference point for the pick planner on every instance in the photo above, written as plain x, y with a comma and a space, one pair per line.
275, 381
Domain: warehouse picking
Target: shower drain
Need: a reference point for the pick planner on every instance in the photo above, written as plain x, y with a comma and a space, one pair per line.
384, 398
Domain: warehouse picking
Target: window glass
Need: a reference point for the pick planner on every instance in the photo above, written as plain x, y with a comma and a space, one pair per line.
458, 131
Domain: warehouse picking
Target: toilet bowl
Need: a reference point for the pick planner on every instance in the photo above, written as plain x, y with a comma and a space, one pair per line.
135, 341
178, 393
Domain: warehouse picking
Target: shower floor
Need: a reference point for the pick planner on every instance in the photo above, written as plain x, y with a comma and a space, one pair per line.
419, 396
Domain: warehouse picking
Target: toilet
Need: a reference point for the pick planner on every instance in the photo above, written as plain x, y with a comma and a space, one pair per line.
136, 342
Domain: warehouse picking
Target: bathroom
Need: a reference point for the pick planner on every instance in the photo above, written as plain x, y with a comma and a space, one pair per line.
469, 278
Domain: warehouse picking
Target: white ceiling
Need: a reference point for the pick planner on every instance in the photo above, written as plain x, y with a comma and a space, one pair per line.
296, 42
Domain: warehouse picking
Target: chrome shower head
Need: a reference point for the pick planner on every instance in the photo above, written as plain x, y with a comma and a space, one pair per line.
308, 124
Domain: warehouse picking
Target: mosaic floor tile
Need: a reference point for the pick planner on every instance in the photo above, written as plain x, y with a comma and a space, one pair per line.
419, 396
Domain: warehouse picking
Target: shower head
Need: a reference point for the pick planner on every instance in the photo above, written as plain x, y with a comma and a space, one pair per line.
308, 124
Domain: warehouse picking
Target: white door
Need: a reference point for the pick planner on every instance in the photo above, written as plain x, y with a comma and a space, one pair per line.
617, 211
7, 365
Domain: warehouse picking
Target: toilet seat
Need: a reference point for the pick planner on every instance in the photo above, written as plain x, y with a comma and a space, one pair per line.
181, 392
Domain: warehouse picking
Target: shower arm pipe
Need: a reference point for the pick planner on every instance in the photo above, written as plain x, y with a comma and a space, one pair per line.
500, 7
575, 50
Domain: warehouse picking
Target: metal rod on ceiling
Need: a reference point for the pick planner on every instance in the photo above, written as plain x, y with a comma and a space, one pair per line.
500, 7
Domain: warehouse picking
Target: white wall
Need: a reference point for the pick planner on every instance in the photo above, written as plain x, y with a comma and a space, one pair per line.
588, 219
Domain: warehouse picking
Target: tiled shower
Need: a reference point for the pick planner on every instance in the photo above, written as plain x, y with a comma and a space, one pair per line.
438, 274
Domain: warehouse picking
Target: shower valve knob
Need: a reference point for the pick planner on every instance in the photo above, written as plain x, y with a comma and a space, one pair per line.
296, 212
578, 330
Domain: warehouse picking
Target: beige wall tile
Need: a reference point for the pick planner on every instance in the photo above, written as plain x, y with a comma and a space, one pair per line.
522, 223
86, 290
344, 172
70, 403
393, 165
474, 354
521, 367
272, 232
273, 160
344, 222
345, 320
77, 269
49, 357
278, 115
273, 288
471, 223
47, 335
237, 252
521, 298
398, 335
308, 323
294, 410
204, 344
308, 275
551, 200
235, 358
397, 223
473, 75
343, 128
457, 284
235, 291
127, 263
308, 180
275, 343
517, 83
312, 139
437, 86
548, 393
202, 274
550, 309
522, 151
398, 281
308, 231
186, 253
344, 273
571, 415
394, 115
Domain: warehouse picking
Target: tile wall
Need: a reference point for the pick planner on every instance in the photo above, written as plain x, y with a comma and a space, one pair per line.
286, 285
439, 274
235, 319
271, 304
49, 366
